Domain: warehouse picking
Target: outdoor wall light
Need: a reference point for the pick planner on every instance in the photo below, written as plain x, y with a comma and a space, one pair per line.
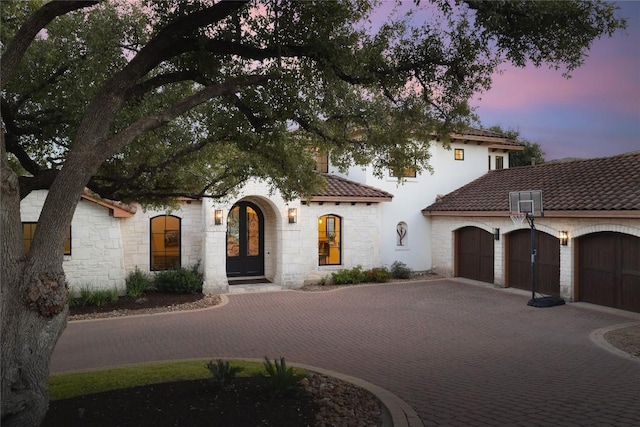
217, 216
496, 234
564, 238
293, 215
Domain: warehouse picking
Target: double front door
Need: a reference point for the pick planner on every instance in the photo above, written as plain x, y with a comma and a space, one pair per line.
245, 240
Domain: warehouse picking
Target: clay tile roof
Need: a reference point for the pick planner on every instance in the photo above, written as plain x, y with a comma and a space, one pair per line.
342, 190
602, 184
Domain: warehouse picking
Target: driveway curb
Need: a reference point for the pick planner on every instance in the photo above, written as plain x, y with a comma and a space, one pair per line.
597, 337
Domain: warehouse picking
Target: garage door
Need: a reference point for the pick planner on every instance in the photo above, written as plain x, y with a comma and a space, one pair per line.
547, 262
474, 254
609, 270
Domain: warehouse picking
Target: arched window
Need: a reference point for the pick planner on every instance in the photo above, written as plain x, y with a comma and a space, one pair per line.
329, 240
165, 242
402, 234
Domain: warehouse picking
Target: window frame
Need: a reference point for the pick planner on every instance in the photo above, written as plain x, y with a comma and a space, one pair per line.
321, 242
32, 232
501, 165
152, 266
458, 154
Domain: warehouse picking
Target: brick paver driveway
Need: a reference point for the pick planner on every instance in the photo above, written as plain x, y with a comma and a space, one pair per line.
458, 354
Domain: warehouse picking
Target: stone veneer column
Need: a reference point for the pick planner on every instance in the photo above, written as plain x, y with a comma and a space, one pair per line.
214, 266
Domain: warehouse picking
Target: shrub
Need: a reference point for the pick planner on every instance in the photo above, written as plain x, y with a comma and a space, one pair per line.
222, 372
283, 380
137, 283
179, 281
84, 295
399, 270
378, 275
346, 277
100, 297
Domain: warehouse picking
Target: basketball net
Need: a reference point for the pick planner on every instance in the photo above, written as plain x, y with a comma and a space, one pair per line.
518, 218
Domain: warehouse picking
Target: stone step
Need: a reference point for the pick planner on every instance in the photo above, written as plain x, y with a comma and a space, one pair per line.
254, 287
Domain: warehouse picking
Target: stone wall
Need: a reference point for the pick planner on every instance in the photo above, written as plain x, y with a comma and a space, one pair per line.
443, 237
97, 258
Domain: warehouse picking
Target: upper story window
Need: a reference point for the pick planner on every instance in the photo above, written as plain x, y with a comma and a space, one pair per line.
405, 173
29, 230
329, 240
322, 161
165, 242
458, 154
499, 162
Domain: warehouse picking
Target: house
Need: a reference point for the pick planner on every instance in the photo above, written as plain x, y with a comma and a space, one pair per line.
359, 219
588, 241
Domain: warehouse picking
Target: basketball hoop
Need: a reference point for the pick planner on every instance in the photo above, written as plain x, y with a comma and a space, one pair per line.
518, 218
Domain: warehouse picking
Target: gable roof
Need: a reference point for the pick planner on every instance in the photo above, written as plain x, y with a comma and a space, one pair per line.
116, 209
339, 189
608, 186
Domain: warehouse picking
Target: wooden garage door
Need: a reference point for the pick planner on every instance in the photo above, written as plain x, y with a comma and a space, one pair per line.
474, 254
547, 262
609, 270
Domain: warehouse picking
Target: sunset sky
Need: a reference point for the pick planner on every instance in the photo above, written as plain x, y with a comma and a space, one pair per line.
595, 113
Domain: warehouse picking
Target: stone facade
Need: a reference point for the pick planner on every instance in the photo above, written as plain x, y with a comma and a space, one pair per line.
97, 257
443, 237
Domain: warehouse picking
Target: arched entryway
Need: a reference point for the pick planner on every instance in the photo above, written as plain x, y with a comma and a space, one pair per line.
547, 261
609, 270
474, 254
245, 240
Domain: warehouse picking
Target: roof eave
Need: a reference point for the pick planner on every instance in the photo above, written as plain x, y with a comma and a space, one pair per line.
632, 214
347, 199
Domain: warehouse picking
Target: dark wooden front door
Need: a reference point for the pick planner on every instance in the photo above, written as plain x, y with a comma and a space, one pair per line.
609, 270
547, 266
245, 241
474, 254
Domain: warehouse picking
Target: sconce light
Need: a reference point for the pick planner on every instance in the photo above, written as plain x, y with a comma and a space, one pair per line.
564, 238
496, 234
293, 215
217, 216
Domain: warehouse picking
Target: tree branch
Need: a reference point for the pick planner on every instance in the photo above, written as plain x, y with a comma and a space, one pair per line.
146, 124
25, 35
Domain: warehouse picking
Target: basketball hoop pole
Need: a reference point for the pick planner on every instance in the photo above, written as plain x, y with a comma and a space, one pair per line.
530, 220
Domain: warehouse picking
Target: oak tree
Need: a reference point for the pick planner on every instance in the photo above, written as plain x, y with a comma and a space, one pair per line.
149, 101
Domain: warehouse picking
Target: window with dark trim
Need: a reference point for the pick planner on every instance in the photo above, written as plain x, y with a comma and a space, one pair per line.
165, 242
29, 230
405, 173
322, 162
458, 154
499, 162
329, 240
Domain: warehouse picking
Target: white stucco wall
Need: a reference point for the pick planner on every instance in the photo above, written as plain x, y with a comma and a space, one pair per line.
443, 231
97, 258
413, 195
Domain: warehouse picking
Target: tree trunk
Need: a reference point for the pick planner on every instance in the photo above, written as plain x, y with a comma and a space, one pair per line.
33, 313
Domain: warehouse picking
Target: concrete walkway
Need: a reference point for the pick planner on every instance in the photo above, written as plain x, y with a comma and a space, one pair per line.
459, 354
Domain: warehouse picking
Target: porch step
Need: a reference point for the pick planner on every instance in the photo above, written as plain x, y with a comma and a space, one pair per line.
253, 287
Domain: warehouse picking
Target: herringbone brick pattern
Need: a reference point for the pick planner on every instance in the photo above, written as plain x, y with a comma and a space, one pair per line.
460, 355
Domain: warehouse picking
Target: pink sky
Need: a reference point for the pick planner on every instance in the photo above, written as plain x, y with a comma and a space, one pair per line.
596, 113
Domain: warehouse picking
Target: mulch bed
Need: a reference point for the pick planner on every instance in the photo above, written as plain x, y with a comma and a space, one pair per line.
147, 301
246, 402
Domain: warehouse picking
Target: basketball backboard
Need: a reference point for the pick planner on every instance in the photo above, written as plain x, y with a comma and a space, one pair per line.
528, 202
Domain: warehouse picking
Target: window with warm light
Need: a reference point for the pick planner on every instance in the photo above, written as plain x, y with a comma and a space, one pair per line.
405, 173
165, 242
29, 230
458, 154
329, 240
